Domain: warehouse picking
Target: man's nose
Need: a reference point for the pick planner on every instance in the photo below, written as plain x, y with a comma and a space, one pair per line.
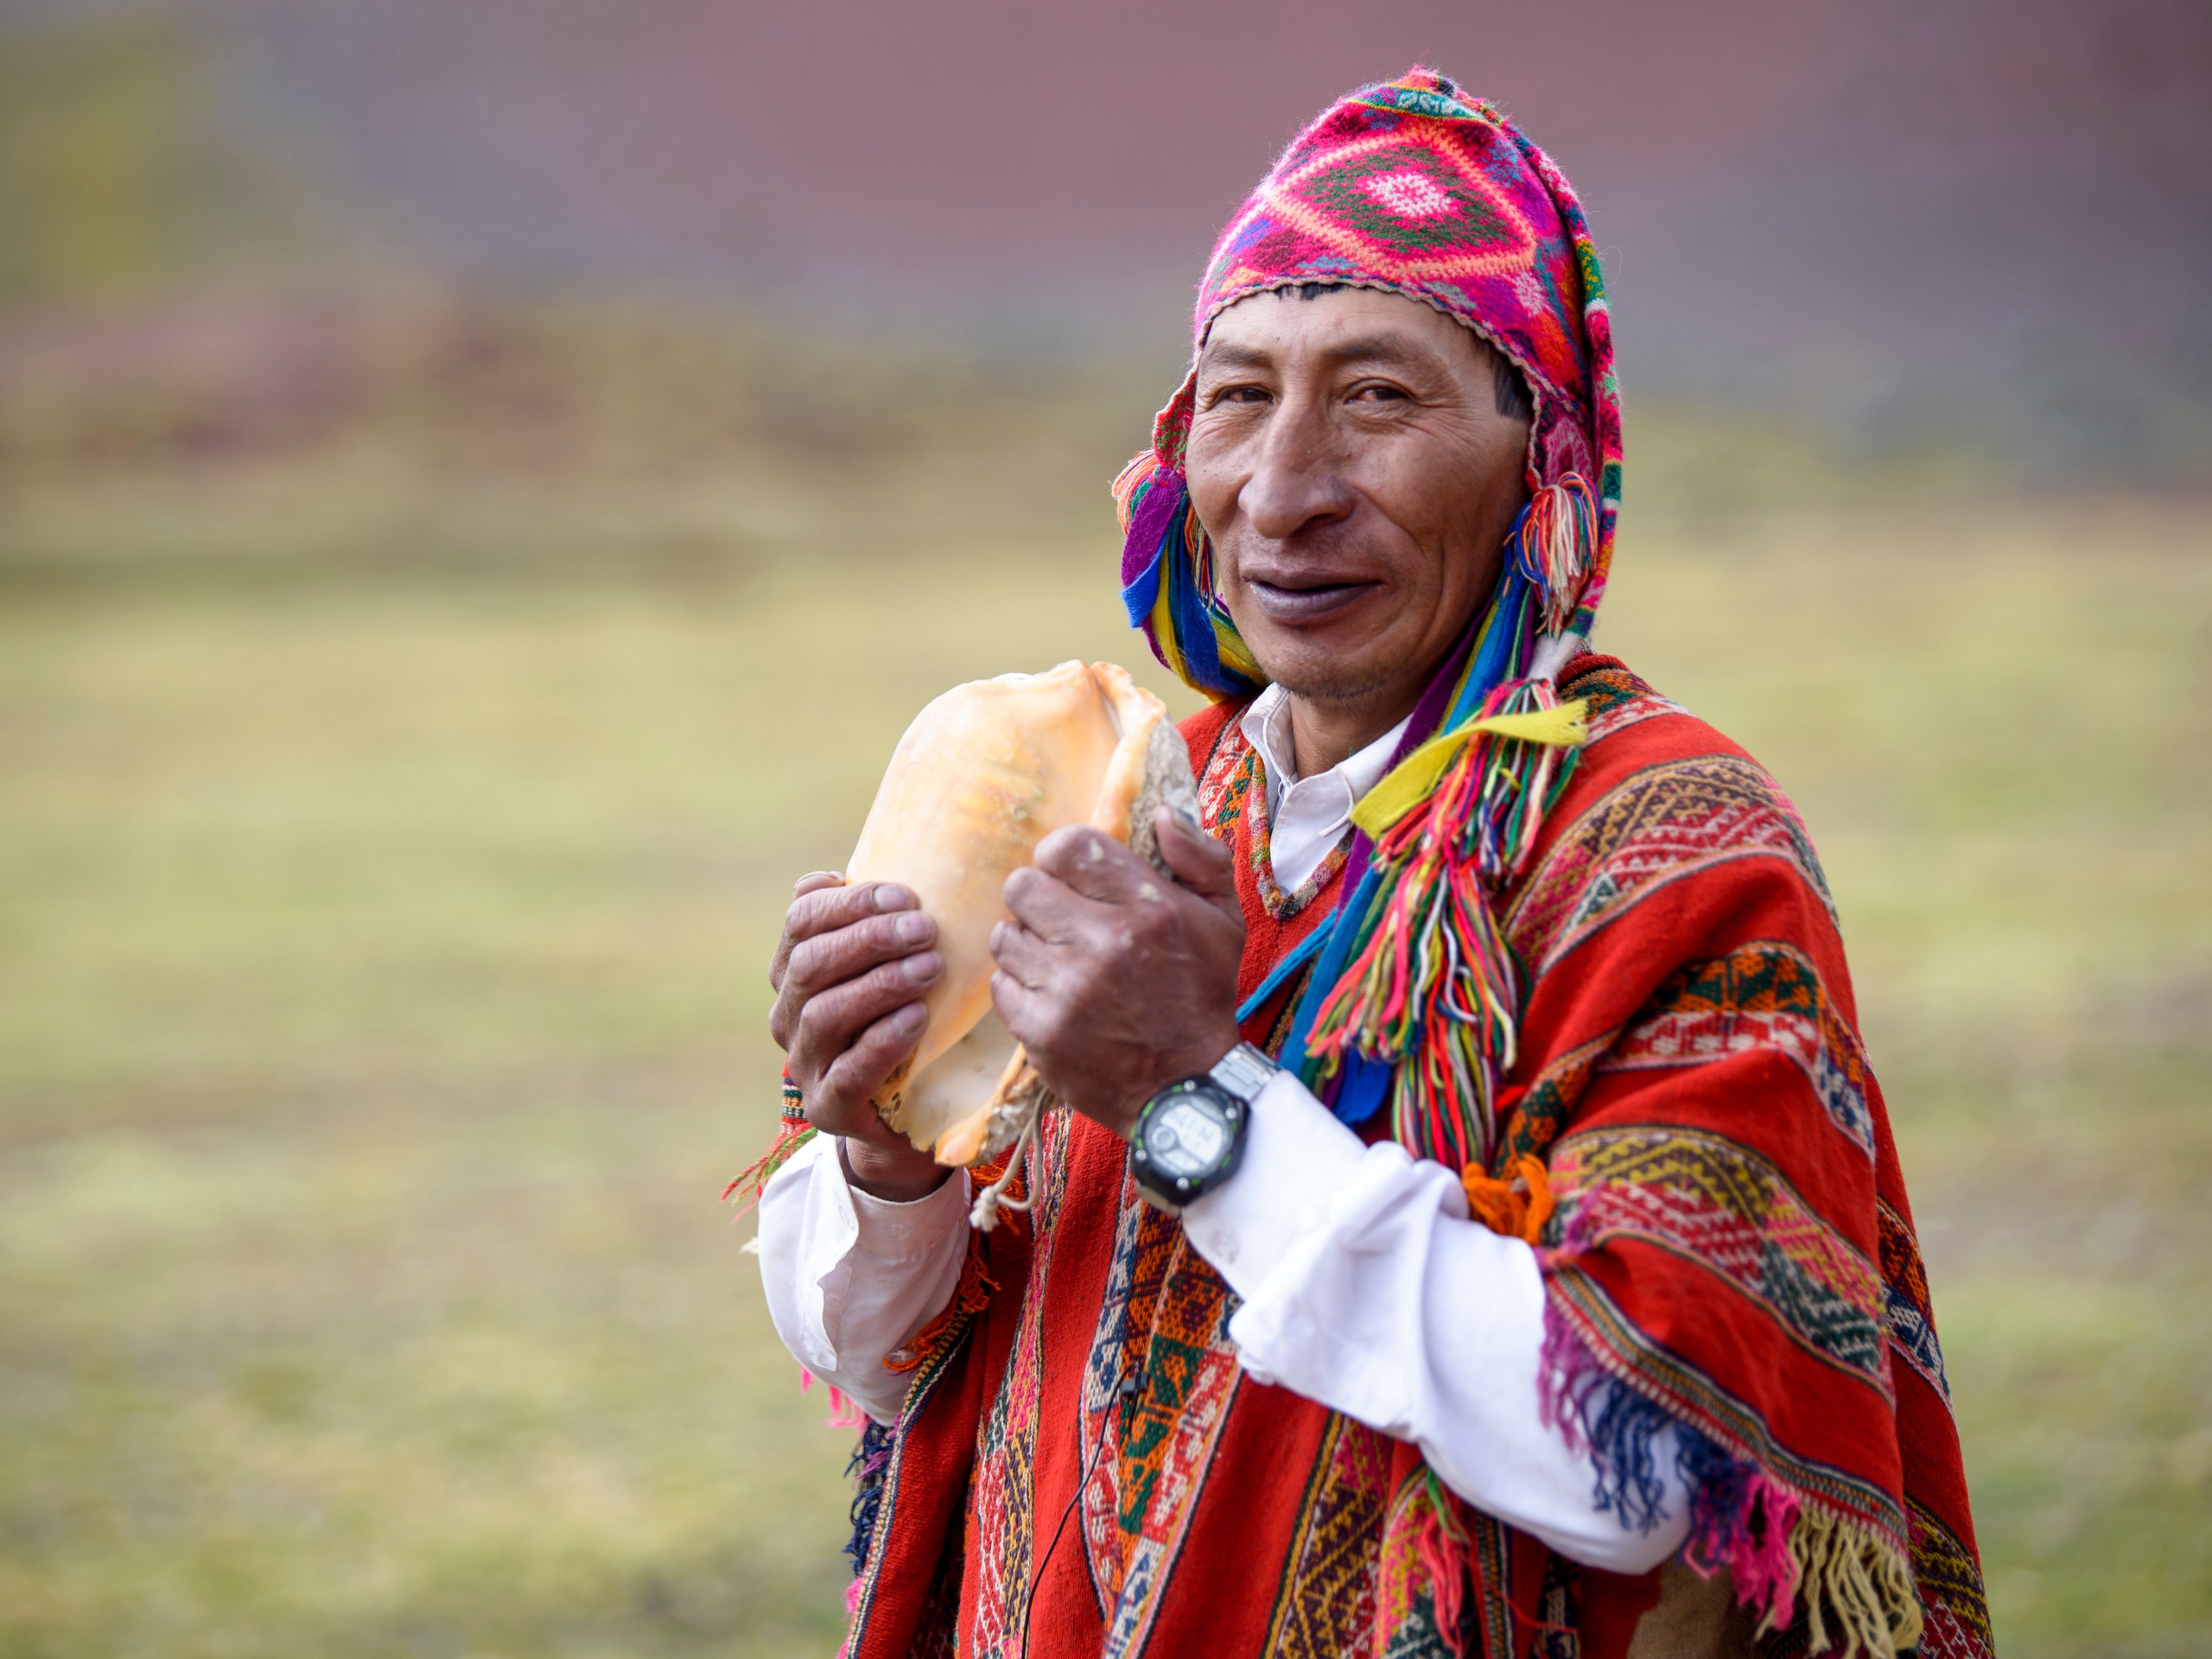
1296, 481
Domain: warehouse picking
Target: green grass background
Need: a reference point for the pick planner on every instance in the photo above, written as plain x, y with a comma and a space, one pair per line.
389, 853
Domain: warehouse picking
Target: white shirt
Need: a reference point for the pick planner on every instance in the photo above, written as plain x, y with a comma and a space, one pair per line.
1364, 1285
1308, 817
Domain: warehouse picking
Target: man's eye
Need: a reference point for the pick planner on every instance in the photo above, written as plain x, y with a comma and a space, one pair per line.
1378, 392
1241, 395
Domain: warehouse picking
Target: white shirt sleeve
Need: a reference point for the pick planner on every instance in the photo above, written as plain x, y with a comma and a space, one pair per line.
1366, 1288
850, 1277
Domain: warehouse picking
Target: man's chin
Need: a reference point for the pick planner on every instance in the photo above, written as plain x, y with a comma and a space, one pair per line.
1330, 685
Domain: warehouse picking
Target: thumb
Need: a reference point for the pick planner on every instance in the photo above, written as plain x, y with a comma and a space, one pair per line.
1199, 862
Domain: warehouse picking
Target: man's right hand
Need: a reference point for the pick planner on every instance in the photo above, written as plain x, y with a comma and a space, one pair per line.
849, 973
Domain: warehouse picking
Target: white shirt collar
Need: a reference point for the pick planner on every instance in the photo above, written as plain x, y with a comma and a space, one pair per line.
1306, 817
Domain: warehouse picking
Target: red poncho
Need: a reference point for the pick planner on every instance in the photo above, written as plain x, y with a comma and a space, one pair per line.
1731, 1243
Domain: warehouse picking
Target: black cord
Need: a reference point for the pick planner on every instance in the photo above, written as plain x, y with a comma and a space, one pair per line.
1124, 1390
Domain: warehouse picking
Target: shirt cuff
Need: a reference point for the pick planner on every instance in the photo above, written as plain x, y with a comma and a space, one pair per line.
1297, 1158
892, 1230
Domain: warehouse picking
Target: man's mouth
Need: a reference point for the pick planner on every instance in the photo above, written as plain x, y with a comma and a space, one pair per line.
1304, 601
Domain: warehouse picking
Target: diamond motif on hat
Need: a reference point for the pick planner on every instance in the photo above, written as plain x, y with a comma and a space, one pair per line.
1408, 194
1409, 205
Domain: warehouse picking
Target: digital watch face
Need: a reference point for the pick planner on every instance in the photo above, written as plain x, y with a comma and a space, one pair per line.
1183, 1139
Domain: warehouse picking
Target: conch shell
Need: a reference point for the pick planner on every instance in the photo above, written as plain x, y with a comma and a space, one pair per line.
984, 773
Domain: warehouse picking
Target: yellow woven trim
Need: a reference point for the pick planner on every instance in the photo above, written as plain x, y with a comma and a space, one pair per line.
1413, 778
1867, 1586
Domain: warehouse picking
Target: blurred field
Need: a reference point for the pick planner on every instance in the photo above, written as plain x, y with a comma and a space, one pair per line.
394, 826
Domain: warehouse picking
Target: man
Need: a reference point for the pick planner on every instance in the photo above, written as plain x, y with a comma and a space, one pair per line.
1475, 1228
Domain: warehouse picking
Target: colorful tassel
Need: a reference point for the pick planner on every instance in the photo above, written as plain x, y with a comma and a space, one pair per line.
1518, 1205
792, 1132
1424, 1543
1432, 990
1442, 1549
1847, 1574
1779, 1549
844, 1411
1555, 544
1167, 584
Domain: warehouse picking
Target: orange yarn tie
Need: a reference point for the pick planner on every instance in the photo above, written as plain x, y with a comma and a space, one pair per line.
1518, 1206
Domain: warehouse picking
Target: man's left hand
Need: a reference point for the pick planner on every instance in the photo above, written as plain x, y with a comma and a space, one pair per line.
1117, 981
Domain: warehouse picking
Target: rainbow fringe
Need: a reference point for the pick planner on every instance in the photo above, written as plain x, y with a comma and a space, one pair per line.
1167, 584
792, 1132
1553, 542
1414, 999
1432, 989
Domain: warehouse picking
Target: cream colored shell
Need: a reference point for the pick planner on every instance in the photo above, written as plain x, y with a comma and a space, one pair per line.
984, 773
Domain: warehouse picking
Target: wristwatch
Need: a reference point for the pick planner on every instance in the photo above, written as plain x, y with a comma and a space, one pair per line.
1190, 1136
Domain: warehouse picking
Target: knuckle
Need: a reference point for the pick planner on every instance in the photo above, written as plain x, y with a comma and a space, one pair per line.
1074, 986
882, 1049
803, 972
887, 980
881, 934
1060, 1026
829, 1112
820, 911
814, 1025
1038, 1029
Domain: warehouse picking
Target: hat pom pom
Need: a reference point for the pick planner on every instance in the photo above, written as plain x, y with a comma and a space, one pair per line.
1555, 543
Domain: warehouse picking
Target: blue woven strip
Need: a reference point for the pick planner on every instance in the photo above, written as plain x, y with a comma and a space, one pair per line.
1141, 595
1327, 970
1303, 952
1361, 1085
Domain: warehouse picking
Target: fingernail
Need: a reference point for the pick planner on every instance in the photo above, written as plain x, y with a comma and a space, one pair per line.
927, 965
910, 1018
911, 928
889, 895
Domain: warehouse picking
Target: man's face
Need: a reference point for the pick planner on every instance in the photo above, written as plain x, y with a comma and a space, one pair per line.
1349, 459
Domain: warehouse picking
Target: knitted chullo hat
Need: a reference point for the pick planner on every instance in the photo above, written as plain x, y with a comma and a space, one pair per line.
1413, 187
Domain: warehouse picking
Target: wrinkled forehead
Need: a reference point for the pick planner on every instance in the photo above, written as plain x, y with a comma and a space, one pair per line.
1339, 318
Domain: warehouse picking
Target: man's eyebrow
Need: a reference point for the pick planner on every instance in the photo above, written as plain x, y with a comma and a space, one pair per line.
1234, 357
1369, 348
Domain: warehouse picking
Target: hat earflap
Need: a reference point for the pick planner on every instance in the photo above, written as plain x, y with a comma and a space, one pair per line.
1167, 583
